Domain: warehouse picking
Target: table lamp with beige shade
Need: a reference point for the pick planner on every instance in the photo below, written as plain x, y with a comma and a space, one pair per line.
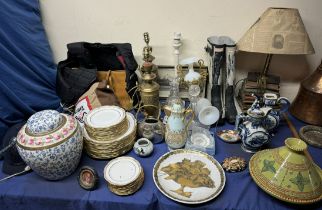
277, 31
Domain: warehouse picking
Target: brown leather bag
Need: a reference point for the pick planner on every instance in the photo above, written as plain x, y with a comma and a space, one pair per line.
116, 82
99, 94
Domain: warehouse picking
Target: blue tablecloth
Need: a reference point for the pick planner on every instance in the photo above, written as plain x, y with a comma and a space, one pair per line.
33, 192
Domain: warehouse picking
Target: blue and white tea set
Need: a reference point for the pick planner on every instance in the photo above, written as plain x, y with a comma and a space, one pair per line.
256, 127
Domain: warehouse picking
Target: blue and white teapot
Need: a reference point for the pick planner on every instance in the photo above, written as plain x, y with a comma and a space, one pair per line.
251, 127
274, 116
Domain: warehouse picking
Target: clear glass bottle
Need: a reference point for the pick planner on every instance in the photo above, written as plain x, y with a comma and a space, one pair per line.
173, 96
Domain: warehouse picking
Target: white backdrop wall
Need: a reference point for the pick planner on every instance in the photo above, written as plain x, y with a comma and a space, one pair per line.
109, 21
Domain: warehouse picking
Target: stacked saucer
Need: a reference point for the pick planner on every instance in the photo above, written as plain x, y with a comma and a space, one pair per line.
124, 175
109, 132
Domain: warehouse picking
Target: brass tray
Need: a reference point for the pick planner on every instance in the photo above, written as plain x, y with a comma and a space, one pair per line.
312, 135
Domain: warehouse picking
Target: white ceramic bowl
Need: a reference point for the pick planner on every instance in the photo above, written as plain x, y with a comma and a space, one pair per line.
208, 115
201, 104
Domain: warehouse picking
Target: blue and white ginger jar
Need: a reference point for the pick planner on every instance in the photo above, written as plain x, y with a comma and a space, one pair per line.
51, 144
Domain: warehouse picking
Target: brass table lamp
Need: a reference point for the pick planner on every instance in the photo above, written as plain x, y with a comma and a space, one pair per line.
277, 31
149, 88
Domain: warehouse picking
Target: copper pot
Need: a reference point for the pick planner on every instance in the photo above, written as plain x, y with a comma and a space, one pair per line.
307, 105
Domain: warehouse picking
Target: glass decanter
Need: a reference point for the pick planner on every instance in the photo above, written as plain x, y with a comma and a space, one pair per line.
173, 96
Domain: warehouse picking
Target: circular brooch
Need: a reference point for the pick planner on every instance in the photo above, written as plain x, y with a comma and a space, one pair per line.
234, 164
88, 178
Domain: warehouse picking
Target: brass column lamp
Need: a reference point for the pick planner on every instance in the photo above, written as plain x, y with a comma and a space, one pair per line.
149, 88
262, 80
277, 31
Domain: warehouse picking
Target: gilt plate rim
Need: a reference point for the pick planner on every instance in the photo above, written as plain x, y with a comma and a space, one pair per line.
121, 112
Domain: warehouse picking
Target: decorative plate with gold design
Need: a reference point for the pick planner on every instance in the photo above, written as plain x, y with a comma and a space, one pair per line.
188, 176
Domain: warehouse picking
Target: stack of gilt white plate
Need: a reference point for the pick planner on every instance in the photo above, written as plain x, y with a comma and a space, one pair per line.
124, 175
109, 132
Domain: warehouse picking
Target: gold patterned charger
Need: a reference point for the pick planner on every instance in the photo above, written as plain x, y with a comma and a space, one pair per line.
188, 176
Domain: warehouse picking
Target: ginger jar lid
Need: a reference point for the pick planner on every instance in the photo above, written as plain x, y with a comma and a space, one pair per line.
46, 129
288, 173
44, 121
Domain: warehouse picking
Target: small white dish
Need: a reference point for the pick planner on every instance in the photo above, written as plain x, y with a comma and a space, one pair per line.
229, 136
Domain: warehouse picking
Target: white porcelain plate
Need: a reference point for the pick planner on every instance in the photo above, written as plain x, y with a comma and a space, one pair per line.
131, 127
105, 116
189, 176
122, 171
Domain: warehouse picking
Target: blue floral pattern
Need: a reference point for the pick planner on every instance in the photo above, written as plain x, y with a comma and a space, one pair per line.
45, 140
272, 120
252, 128
44, 121
57, 162
253, 134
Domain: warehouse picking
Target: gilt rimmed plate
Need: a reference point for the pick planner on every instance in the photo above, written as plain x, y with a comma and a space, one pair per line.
131, 127
189, 176
105, 116
122, 171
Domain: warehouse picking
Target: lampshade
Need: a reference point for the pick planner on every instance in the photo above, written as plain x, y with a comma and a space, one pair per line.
277, 31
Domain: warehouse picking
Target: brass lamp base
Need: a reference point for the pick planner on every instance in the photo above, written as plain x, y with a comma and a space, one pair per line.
270, 79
